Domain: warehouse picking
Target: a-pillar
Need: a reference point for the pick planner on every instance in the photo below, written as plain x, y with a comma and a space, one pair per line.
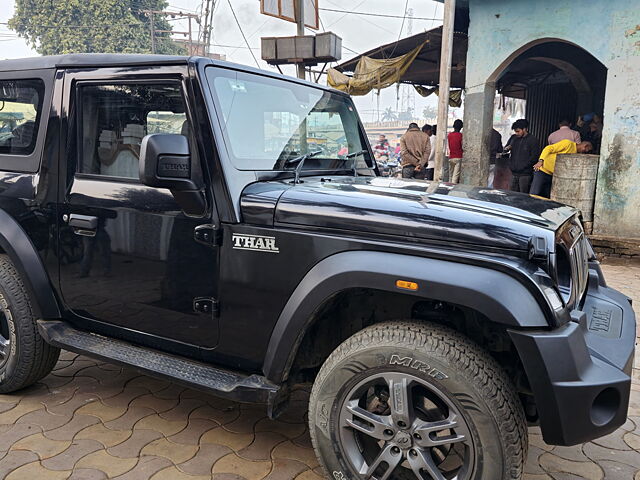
478, 122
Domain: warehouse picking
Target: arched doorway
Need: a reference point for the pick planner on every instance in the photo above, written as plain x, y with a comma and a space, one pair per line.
557, 79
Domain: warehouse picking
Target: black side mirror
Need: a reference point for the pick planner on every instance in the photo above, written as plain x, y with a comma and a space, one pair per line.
165, 162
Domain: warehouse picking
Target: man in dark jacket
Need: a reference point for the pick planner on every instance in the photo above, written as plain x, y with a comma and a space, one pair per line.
525, 152
495, 149
415, 148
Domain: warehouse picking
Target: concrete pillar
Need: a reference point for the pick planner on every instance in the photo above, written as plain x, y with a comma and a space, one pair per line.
478, 122
617, 206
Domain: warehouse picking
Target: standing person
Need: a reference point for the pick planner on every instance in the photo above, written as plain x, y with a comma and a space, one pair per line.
502, 177
594, 133
396, 152
495, 149
431, 163
415, 148
524, 155
564, 132
455, 151
545, 167
583, 124
382, 147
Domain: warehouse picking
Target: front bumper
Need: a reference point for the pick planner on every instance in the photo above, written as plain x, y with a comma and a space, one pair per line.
580, 373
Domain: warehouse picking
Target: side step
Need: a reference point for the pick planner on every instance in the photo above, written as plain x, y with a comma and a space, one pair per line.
198, 375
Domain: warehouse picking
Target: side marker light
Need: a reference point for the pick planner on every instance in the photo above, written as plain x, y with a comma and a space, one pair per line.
406, 285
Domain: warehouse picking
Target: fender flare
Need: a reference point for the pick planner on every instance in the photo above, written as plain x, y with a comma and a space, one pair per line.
25, 258
497, 295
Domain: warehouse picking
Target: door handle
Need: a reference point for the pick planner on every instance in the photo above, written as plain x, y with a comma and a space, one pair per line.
86, 225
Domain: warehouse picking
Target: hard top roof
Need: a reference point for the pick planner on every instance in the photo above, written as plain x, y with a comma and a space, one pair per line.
89, 60
96, 60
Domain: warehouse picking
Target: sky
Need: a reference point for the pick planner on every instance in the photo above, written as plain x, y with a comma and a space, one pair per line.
359, 33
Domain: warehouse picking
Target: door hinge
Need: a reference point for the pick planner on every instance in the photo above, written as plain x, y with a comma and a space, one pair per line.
206, 305
208, 235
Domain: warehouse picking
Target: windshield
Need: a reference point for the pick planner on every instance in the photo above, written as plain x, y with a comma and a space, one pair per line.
268, 122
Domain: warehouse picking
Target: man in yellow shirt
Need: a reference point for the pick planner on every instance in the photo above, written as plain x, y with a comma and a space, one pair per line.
541, 185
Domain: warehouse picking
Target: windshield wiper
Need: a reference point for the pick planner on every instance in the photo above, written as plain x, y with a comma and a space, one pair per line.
300, 161
353, 155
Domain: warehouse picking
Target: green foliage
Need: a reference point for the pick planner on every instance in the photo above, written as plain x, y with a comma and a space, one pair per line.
429, 112
389, 115
92, 26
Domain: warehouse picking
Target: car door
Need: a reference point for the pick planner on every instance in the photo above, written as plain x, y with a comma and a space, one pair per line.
132, 266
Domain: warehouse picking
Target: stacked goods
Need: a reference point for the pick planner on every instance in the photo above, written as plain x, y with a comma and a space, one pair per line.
107, 138
132, 134
108, 146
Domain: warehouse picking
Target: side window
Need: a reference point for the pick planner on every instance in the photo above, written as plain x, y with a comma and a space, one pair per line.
20, 109
114, 119
165, 122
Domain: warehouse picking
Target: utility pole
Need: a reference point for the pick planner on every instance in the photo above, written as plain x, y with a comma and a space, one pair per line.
300, 22
446, 55
188, 34
210, 26
206, 32
408, 103
153, 33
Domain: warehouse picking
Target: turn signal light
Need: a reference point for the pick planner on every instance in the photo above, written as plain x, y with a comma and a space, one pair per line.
406, 285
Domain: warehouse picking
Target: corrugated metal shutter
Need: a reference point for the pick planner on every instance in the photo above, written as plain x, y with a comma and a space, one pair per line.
546, 106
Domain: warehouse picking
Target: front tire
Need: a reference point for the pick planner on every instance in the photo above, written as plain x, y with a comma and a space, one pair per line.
25, 358
416, 401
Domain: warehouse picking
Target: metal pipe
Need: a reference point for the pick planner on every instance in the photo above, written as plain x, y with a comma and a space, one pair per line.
446, 55
300, 22
153, 33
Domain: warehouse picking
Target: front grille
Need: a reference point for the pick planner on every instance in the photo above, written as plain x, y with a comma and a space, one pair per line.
579, 268
572, 262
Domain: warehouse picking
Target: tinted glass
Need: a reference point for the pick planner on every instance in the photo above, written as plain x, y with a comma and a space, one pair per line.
115, 118
20, 109
268, 121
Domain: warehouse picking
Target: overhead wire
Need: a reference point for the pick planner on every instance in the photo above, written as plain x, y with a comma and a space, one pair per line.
435, 11
85, 26
343, 16
242, 32
236, 47
404, 18
252, 35
363, 19
370, 14
325, 29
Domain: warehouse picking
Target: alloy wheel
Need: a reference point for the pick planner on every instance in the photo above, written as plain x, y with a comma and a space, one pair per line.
395, 426
5, 342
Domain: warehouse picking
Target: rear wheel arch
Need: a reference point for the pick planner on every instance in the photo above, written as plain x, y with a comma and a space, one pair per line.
457, 284
15, 243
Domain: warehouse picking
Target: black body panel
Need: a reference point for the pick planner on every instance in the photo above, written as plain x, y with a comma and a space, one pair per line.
24, 256
259, 200
488, 219
144, 268
506, 301
581, 374
267, 254
157, 267
28, 205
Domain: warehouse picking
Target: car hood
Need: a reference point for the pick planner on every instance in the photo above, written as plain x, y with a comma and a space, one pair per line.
437, 212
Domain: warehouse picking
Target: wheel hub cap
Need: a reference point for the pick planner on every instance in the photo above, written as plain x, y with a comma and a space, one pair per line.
403, 440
